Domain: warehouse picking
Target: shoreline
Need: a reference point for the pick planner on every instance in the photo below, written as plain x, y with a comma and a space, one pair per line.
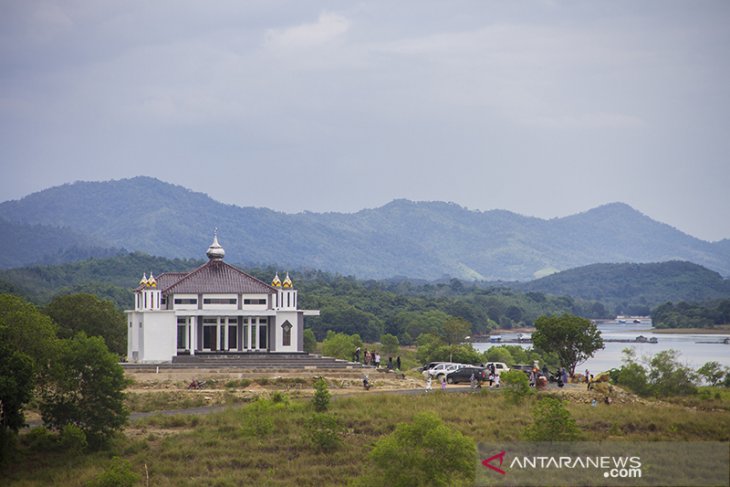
721, 330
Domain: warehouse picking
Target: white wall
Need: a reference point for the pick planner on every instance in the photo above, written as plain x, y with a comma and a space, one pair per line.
291, 317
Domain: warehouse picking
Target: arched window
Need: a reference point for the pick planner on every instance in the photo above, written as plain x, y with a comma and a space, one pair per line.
286, 336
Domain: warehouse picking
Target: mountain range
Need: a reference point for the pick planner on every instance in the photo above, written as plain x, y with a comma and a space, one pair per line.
426, 240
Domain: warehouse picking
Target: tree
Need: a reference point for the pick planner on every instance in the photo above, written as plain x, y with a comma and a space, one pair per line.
668, 377
572, 338
340, 345
552, 422
95, 317
712, 372
310, 341
390, 344
455, 330
85, 388
16, 386
321, 397
27, 330
425, 452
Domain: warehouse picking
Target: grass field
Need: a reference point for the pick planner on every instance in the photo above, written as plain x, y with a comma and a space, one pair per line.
265, 442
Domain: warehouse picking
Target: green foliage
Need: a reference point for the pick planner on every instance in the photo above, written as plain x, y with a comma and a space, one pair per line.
425, 452
390, 344
87, 313
634, 377
258, 420
16, 384
310, 341
85, 387
27, 330
552, 422
573, 339
323, 432
665, 376
72, 439
321, 398
668, 377
691, 315
515, 386
118, 474
713, 372
455, 330
340, 345
40, 439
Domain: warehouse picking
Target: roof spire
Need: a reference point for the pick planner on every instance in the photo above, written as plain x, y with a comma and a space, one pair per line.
215, 251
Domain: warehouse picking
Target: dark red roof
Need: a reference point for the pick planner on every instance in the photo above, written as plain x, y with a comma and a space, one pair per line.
215, 276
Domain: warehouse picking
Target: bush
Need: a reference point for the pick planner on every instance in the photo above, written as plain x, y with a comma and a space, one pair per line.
390, 344
119, 474
72, 439
515, 385
310, 341
552, 422
258, 420
323, 432
321, 398
670, 378
41, 439
633, 376
340, 345
424, 452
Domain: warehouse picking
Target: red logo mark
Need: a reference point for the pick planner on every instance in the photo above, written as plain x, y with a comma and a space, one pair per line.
487, 462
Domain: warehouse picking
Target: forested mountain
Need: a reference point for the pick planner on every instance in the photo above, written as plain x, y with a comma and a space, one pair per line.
630, 287
426, 240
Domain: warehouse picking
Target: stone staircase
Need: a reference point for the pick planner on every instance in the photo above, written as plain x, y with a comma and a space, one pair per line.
252, 360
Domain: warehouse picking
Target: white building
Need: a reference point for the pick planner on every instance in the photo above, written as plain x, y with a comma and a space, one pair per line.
216, 308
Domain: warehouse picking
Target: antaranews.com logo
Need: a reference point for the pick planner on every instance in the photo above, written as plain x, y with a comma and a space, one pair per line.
612, 467
654, 464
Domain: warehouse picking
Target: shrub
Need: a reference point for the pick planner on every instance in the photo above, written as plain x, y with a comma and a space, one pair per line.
516, 386
310, 341
321, 398
552, 422
670, 378
119, 474
424, 452
323, 432
633, 376
712, 372
72, 439
40, 439
390, 344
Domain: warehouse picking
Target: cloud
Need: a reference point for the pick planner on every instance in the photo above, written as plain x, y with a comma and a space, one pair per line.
328, 27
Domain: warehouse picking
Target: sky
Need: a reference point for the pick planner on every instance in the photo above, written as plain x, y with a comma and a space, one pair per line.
544, 108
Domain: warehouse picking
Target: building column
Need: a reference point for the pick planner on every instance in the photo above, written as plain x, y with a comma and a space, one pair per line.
193, 333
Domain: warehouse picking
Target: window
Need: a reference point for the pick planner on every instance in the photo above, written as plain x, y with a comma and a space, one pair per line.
220, 301
254, 301
286, 337
186, 300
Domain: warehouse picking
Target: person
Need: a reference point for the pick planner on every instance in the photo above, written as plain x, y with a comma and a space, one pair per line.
357, 354
496, 380
491, 379
545, 371
366, 357
443, 383
533, 378
366, 383
397, 362
473, 381
565, 376
587, 378
428, 384
390, 363
590, 382
377, 360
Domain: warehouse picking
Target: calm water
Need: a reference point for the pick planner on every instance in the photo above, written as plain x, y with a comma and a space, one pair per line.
692, 350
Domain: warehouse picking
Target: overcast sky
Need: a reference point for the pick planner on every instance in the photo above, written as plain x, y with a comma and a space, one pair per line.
545, 108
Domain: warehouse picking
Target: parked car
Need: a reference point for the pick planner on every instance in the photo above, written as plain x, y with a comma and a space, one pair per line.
499, 367
441, 370
464, 374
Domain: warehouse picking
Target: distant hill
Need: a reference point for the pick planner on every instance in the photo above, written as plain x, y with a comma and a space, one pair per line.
427, 240
635, 285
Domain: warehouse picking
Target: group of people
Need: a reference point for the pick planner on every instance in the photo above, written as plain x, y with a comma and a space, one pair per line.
373, 358
540, 377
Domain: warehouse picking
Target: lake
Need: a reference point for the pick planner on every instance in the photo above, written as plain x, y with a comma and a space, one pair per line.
695, 349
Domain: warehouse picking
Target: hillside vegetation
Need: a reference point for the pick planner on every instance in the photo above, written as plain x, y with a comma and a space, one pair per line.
427, 240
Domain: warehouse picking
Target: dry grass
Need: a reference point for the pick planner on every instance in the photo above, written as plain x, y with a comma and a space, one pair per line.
264, 443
